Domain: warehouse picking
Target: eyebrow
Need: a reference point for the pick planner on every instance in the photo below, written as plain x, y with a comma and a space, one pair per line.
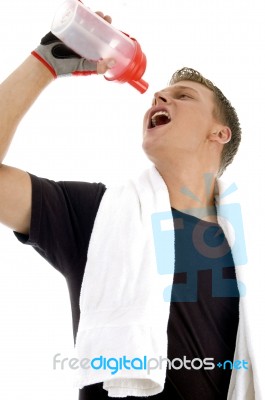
181, 87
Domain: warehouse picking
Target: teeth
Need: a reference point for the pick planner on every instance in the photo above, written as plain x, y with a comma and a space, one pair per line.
153, 119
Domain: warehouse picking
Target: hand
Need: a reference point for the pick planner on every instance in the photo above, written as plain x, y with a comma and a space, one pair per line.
61, 60
104, 65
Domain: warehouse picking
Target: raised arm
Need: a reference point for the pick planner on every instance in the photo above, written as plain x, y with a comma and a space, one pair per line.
17, 93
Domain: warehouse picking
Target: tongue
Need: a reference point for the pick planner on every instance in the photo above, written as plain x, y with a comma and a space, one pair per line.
162, 120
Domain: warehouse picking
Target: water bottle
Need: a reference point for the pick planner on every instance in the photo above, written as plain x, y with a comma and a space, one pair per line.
93, 38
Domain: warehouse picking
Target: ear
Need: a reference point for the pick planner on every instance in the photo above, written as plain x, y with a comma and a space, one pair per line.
222, 135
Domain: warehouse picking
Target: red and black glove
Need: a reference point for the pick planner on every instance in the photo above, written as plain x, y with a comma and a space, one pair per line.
61, 60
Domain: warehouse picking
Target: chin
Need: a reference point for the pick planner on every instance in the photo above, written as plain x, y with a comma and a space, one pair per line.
148, 147
148, 151
153, 153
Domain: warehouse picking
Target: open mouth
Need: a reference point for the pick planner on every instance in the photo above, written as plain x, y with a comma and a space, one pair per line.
159, 118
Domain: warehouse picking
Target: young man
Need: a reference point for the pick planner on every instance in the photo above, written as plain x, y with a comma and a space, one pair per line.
190, 130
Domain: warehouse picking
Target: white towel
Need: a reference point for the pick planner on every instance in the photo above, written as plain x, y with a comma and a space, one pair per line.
229, 218
123, 312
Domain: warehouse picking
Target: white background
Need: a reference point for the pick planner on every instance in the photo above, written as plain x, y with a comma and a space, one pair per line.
90, 129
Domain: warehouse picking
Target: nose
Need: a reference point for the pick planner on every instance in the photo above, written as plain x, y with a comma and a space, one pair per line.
159, 98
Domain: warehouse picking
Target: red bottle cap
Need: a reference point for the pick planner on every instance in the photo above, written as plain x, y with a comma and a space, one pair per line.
134, 71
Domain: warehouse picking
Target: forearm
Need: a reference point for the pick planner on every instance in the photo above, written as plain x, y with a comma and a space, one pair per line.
17, 93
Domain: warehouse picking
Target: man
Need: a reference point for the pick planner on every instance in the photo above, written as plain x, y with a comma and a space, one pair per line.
190, 130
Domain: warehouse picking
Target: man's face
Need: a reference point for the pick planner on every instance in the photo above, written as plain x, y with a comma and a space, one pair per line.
180, 120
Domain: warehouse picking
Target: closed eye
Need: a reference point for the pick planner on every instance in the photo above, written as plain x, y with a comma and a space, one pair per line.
184, 96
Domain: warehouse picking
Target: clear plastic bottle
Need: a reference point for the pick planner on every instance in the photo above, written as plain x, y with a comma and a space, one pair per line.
93, 38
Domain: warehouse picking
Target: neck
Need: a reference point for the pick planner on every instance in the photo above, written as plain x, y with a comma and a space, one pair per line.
191, 190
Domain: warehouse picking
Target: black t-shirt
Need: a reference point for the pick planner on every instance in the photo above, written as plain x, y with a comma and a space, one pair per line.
203, 319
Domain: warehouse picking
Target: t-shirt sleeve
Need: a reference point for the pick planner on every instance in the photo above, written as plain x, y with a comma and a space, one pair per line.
62, 220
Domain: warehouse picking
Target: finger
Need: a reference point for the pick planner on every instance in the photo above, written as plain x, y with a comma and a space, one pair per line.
100, 14
104, 65
108, 19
